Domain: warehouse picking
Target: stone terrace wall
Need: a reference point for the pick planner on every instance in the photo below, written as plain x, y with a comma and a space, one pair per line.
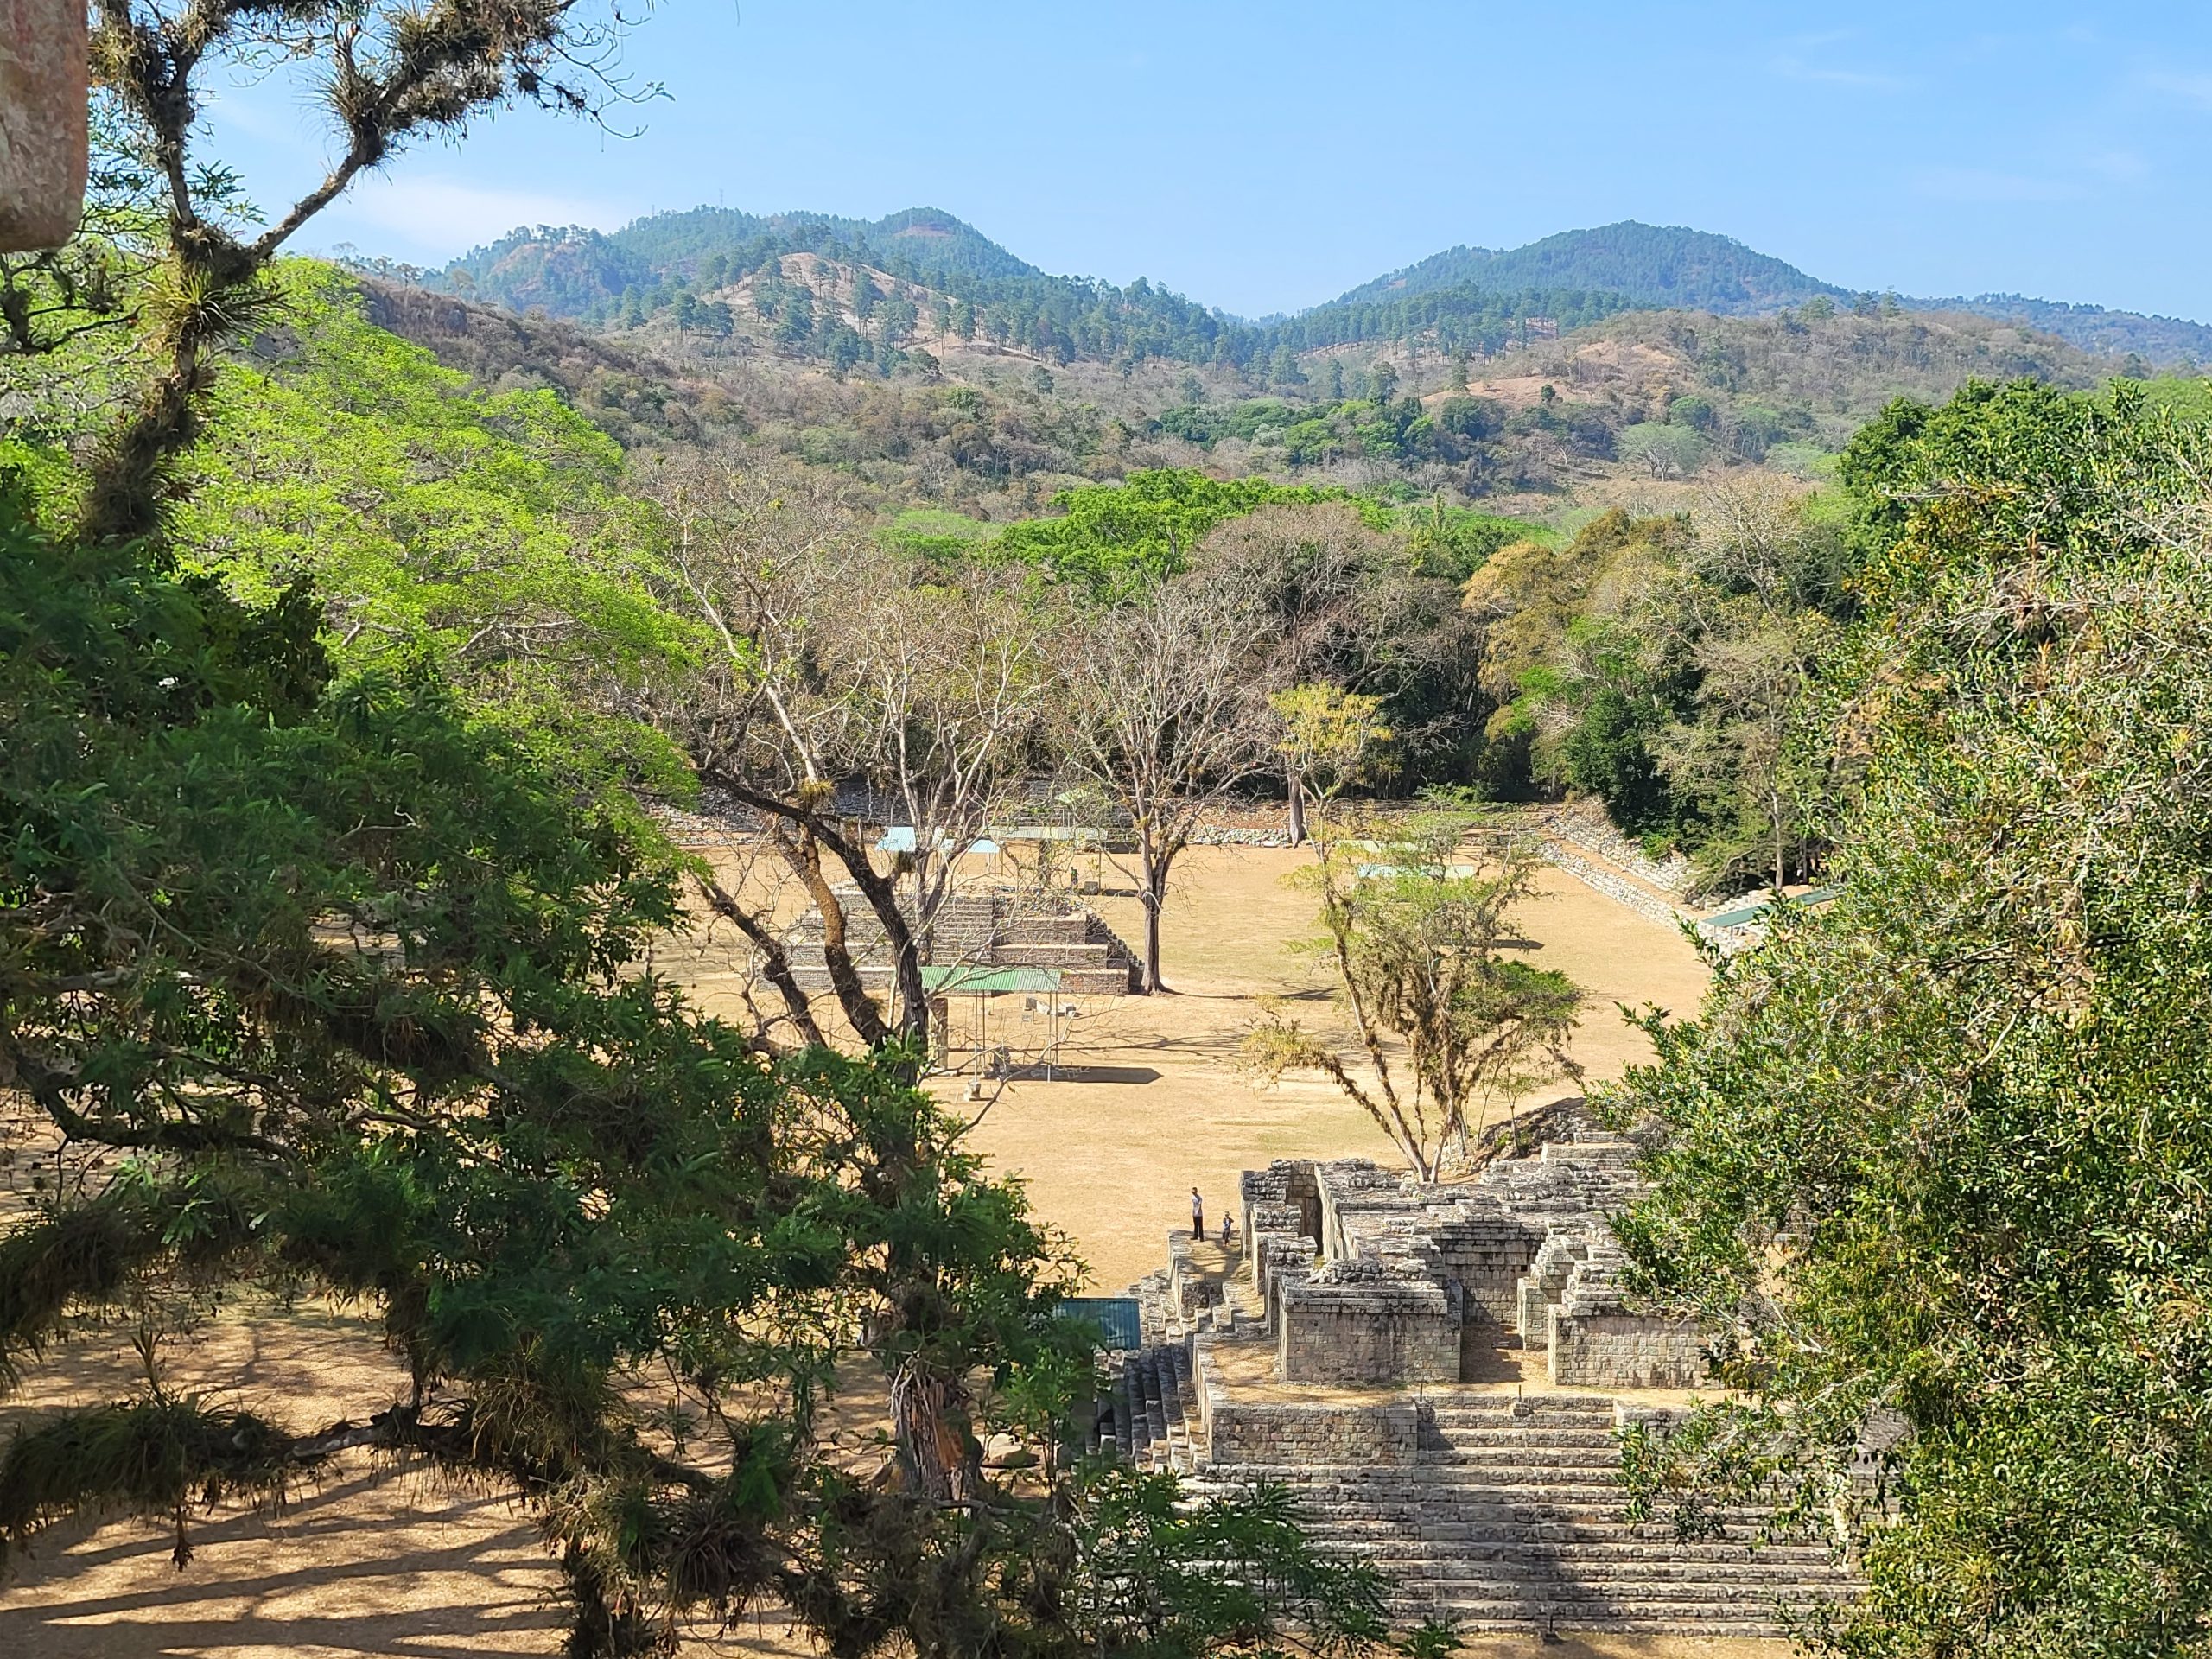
1596, 1342
1350, 1324
1624, 1350
1248, 1432
1616, 887
1586, 825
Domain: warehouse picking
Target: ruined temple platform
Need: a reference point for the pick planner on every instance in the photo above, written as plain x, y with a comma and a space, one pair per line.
1442, 1374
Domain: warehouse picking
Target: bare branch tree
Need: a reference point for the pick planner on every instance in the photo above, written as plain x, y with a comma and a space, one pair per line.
841, 665
1166, 712
1314, 575
757, 560
952, 679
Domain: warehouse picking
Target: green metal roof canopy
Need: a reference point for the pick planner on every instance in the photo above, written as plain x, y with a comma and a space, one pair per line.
954, 977
1752, 912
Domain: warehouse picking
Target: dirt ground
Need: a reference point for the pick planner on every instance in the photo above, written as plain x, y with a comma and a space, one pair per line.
371, 1562
1159, 1106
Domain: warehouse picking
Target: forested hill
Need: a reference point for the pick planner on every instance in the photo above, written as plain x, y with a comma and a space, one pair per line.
574, 271
1663, 267
2164, 341
652, 264
1470, 299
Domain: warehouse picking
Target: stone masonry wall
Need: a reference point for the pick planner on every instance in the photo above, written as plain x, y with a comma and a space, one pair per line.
1187, 1289
1486, 1255
1624, 1350
1236, 1431
1367, 1332
1586, 826
1591, 874
1546, 1285
1314, 1434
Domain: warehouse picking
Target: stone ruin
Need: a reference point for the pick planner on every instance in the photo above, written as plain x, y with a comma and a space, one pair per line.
980, 927
1372, 1344
1365, 1277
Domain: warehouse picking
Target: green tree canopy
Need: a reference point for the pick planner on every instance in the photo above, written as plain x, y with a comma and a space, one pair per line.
1933, 1157
487, 533
1110, 538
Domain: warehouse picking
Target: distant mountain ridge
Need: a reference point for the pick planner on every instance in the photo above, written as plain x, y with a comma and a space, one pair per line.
2155, 338
1665, 267
1465, 298
568, 269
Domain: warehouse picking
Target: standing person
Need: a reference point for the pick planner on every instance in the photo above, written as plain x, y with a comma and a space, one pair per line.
1227, 1232
1197, 1215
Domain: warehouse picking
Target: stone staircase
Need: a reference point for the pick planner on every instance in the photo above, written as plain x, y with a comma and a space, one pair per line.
1150, 1416
981, 928
1511, 1516
1149, 1407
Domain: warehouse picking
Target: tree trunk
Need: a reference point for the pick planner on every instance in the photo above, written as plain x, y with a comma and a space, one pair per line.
1297, 789
604, 1627
860, 1012
776, 963
929, 1427
1155, 900
912, 1020
130, 476
1779, 874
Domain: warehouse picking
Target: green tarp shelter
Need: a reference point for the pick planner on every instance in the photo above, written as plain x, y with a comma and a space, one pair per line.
973, 977
982, 982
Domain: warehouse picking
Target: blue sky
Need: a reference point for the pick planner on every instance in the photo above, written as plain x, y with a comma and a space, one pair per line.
1266, 157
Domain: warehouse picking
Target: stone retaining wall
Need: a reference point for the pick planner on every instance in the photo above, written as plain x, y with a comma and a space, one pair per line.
1626, 1350
1615, 886
1242, 1431
1587, 827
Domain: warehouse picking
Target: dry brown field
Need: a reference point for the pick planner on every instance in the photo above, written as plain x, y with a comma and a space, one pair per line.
371, 1562
1161, 1106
